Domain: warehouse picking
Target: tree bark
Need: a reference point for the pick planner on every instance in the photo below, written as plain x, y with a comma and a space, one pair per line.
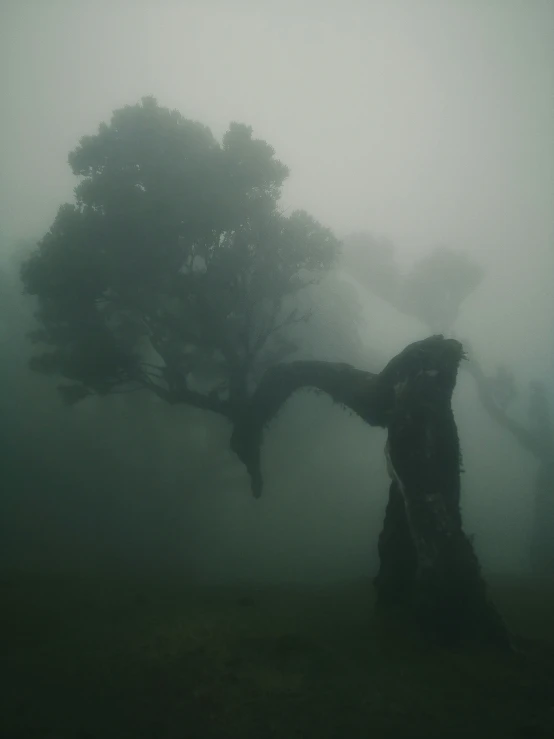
447, 593
427, 562
397, 554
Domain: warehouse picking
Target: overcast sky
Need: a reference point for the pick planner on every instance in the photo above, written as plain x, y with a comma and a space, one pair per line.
425, 120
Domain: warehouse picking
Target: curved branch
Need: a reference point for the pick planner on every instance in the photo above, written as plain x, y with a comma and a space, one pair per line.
372, 397
345, 384
182, 394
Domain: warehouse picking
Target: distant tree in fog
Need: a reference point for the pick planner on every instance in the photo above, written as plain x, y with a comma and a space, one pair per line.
433, 290
437, 285
174, 270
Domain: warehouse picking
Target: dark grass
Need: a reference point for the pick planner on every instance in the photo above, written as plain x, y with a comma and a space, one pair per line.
94, 658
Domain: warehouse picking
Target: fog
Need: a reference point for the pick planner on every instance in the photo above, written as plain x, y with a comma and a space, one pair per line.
425, 122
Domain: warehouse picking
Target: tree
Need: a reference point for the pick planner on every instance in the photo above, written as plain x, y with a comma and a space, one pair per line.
437, 285
174, 270
434, 291
439, 582
190, 295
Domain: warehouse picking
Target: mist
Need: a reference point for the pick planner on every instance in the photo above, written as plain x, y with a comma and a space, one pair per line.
206, 210
427, 123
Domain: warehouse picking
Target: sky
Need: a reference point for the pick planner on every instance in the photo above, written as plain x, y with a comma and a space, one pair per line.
426, 121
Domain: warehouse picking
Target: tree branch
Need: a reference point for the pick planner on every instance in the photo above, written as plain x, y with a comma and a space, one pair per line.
179, 392
372, 397
184, 395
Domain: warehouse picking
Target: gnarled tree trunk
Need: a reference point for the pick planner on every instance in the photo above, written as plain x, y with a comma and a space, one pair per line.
427, 562
445, 589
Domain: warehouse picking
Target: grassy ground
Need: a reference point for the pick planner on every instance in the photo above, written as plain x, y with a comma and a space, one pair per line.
95, 659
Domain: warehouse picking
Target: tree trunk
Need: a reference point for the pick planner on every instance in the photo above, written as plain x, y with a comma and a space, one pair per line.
397, 554
443, 587
427, 562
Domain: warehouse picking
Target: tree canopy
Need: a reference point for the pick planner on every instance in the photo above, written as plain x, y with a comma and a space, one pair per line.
174, 269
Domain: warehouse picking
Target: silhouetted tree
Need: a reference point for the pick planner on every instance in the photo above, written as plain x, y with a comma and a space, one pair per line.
174, 270
154, 190
435, 575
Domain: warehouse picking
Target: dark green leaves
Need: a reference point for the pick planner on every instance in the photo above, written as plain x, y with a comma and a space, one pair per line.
174, 255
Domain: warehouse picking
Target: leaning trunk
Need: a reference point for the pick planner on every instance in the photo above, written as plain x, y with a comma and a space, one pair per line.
441, 583
427, 562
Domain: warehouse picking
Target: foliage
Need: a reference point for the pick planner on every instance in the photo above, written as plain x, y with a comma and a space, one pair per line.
433, 290
174, 269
